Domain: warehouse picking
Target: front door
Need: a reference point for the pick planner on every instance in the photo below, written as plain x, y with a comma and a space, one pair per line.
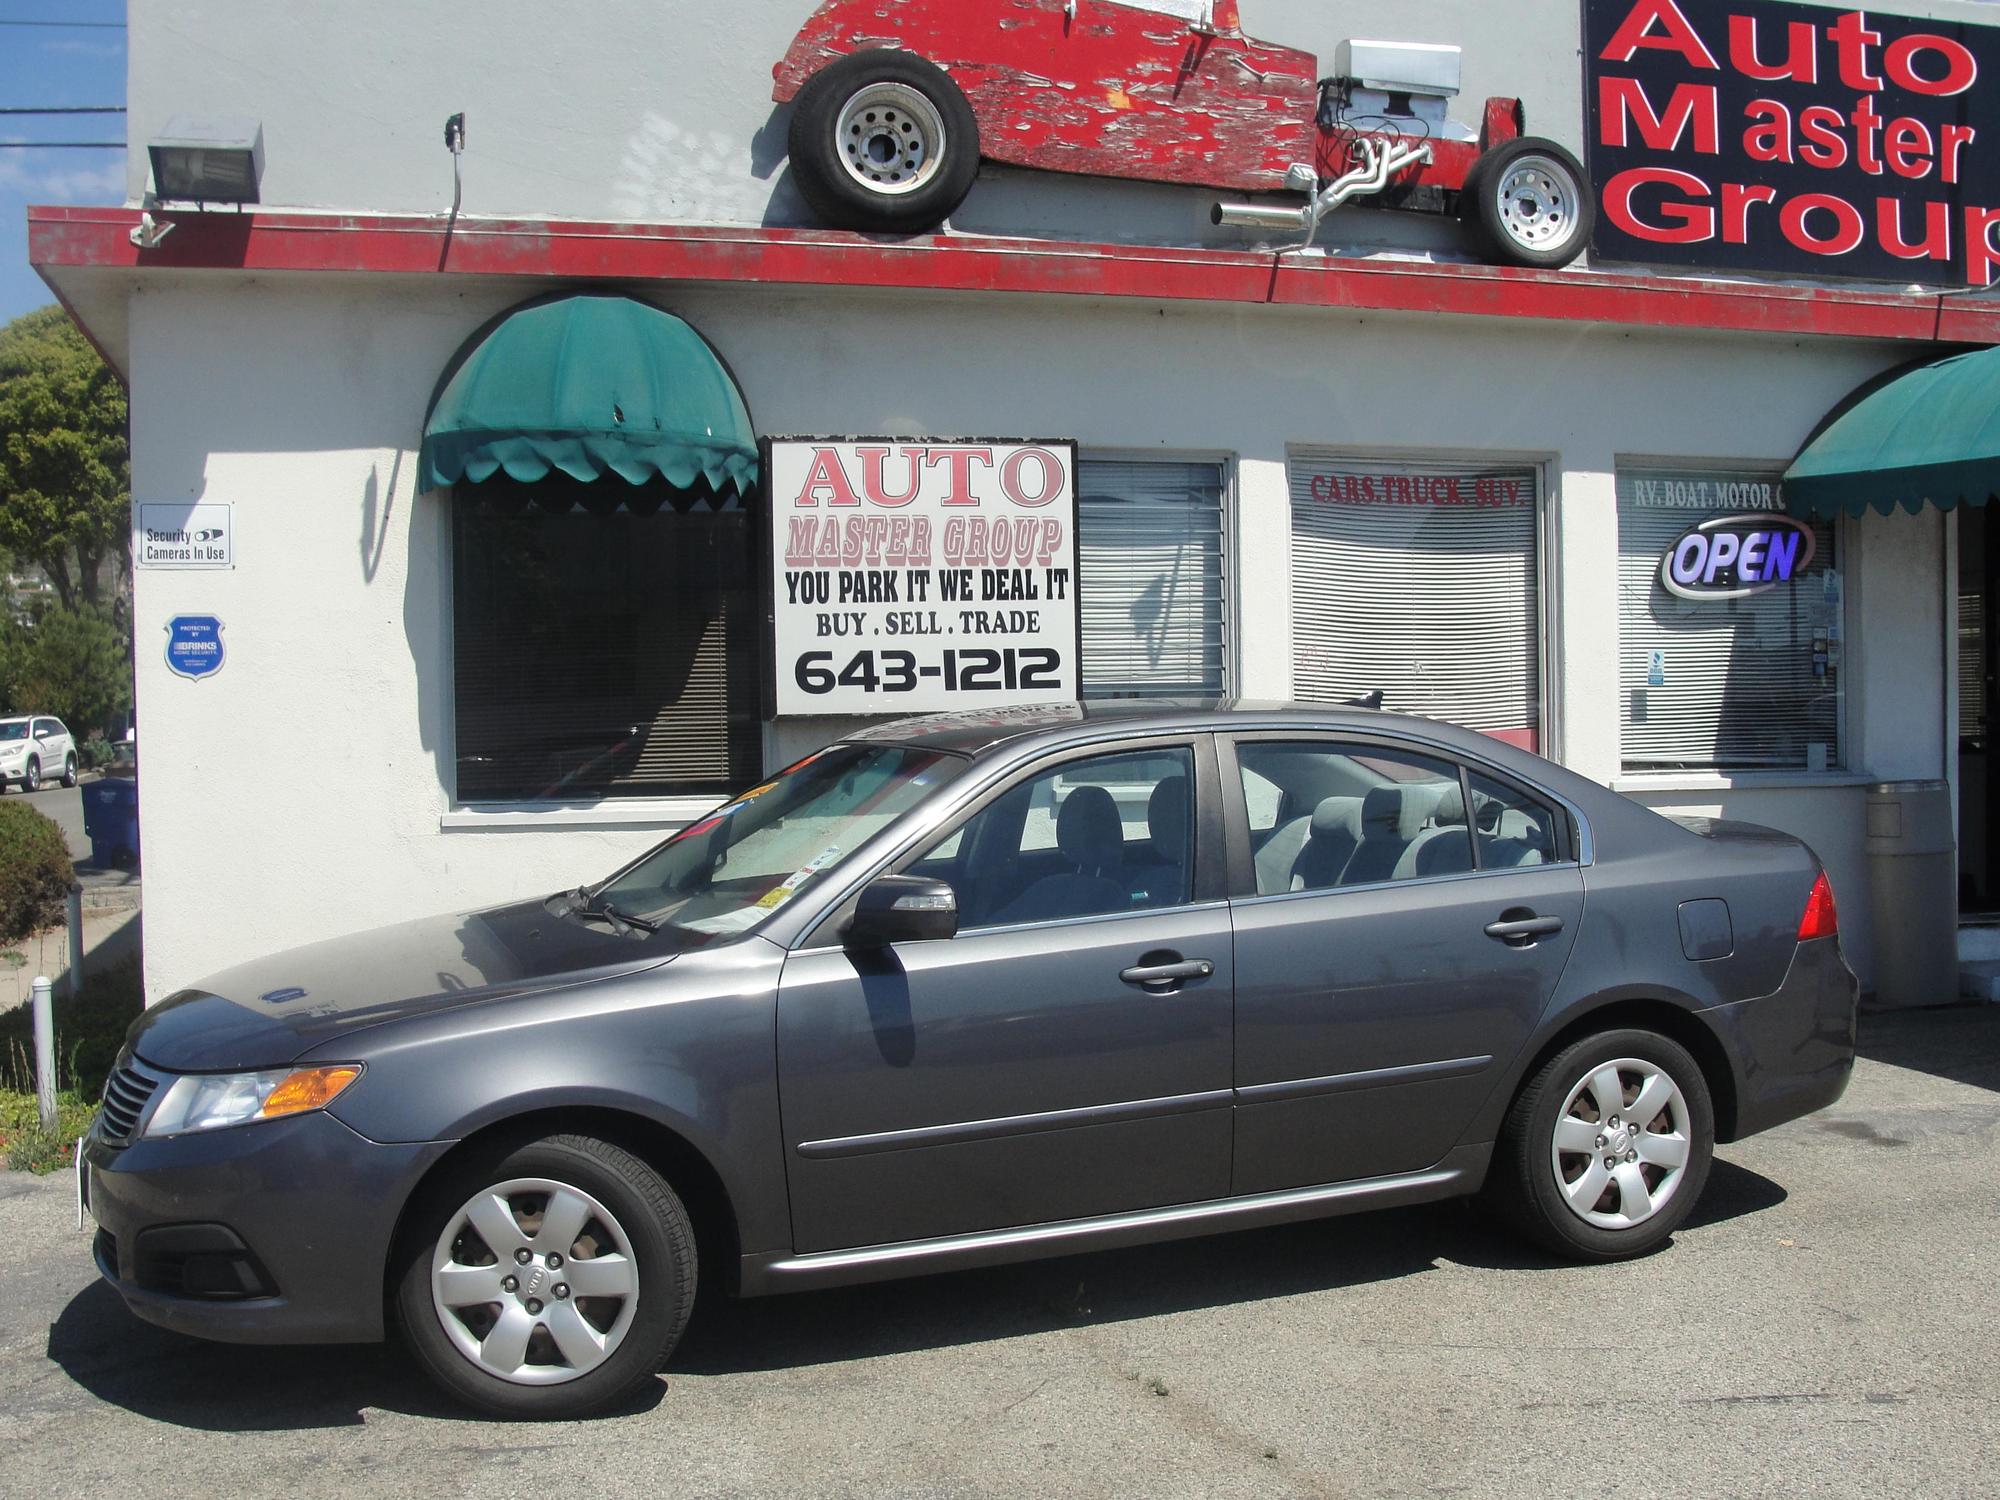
1393, 954
1028, 1070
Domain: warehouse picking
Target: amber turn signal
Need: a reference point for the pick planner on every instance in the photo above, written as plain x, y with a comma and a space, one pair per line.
309, 1088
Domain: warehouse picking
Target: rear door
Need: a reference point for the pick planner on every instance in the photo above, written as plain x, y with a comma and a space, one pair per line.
1067, 1054
1396, 943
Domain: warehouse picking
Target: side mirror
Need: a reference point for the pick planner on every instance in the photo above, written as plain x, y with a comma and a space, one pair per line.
902, 909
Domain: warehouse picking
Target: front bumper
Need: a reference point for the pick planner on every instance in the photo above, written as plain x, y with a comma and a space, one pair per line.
312, 1205
1791, 1051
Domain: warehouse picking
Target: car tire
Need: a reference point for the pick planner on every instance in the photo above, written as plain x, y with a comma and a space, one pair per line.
69, 771
1579, 1177
883, 141
1527, 203
31, 778
562, 1352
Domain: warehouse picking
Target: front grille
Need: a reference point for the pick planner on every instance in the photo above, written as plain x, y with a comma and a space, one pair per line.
126, 1094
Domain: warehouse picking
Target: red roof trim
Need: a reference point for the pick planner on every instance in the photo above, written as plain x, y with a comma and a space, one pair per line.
60, 238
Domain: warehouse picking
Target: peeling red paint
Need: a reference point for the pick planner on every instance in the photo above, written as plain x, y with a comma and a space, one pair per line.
1116, 92
67, 238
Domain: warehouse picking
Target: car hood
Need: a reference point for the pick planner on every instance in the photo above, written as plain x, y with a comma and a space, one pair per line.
266, 1013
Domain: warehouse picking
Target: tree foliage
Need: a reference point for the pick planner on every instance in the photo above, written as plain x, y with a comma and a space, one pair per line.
65, 468
69, 662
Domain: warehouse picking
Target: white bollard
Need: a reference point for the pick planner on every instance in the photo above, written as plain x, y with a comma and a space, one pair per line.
45, 1050
75, 919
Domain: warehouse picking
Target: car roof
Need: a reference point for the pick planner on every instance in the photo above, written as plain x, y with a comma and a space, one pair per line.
976, 732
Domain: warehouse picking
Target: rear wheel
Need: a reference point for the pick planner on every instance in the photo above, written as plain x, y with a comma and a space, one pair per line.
1607, 1147
69, 771
883, 141
1525, 203
548, 1280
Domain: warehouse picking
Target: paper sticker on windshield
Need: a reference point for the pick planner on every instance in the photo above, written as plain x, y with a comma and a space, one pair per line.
777, 896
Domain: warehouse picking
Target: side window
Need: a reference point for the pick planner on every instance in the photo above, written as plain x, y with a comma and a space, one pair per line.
1513, 828
1112, 833
1353, 815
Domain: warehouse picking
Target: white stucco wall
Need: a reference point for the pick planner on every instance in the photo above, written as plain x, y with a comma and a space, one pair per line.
660, 110
303, 790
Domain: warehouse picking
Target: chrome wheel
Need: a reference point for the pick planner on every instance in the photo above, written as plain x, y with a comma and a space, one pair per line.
1537, 201
890, 138
534, 1281
1621, 1144
32, 779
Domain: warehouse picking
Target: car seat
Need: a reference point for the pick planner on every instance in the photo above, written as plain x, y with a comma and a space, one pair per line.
1335, 834
1391, 819
1091, 836
1162, 880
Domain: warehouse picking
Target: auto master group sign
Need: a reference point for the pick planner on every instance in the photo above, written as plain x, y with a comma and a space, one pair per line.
909, 577
1797, 139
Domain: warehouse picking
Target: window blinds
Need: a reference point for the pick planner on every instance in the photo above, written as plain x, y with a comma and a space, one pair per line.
1421, 583
1149, 541
1748, 683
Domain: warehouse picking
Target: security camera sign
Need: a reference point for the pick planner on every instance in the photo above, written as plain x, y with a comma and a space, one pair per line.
184, 535
912, 576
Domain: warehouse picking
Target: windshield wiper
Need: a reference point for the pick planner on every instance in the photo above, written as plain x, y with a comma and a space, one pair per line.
621, 922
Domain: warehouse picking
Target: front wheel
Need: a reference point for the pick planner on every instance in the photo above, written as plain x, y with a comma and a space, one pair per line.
1607, 1147
549, 1280
31, 779
1525, 202
883, 141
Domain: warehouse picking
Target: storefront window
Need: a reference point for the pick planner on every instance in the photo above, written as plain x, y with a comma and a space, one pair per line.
1737, 664
1420, 583
604, 644
1150, 558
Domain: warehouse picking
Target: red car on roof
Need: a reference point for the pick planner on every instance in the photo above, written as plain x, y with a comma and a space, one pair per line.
896, 101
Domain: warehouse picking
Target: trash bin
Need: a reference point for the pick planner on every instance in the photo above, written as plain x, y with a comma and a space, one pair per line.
1913, 893
111, 822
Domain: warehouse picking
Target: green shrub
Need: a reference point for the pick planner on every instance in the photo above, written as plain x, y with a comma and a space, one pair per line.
29, 1148
97, 754
90, 1030
35, 872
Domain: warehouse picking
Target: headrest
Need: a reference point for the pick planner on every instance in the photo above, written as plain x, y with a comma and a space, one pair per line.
1167, 820
1336, 816
1450, 808
1398, 812
1089, 830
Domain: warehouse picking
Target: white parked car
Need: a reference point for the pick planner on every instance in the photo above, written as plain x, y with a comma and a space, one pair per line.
35, 750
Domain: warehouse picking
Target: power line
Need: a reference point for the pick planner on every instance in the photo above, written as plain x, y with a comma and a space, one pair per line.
62, 145
86, 25
68, 109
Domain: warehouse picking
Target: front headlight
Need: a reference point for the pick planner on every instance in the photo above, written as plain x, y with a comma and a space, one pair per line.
210, 1101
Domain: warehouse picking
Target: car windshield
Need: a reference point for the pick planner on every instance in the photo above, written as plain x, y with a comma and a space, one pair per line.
14, 731
734, 868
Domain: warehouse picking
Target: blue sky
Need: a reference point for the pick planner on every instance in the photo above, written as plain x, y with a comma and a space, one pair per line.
42, 66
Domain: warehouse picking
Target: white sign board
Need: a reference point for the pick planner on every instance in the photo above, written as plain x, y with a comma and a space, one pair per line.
184, 534
915, 577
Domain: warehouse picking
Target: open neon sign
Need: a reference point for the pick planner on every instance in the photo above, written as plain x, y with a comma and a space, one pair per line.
1732, 557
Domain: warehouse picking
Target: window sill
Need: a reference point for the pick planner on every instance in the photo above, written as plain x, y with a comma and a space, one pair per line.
499, 817
1738, 781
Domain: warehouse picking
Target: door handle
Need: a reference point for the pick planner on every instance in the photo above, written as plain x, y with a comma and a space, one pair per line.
1520, 929
1164, 976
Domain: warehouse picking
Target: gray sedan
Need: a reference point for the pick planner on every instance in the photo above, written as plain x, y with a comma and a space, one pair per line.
967, 990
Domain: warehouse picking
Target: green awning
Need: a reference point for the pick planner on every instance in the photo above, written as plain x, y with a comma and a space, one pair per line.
590, 385
1915, 437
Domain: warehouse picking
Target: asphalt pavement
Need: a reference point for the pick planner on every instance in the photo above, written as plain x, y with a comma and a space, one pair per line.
1824, 1326
107, 886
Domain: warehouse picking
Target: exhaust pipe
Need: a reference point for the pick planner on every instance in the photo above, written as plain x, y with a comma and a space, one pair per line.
1259, 216
1379, 162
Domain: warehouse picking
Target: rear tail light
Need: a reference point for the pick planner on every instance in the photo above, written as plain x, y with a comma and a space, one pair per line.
1820, 920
